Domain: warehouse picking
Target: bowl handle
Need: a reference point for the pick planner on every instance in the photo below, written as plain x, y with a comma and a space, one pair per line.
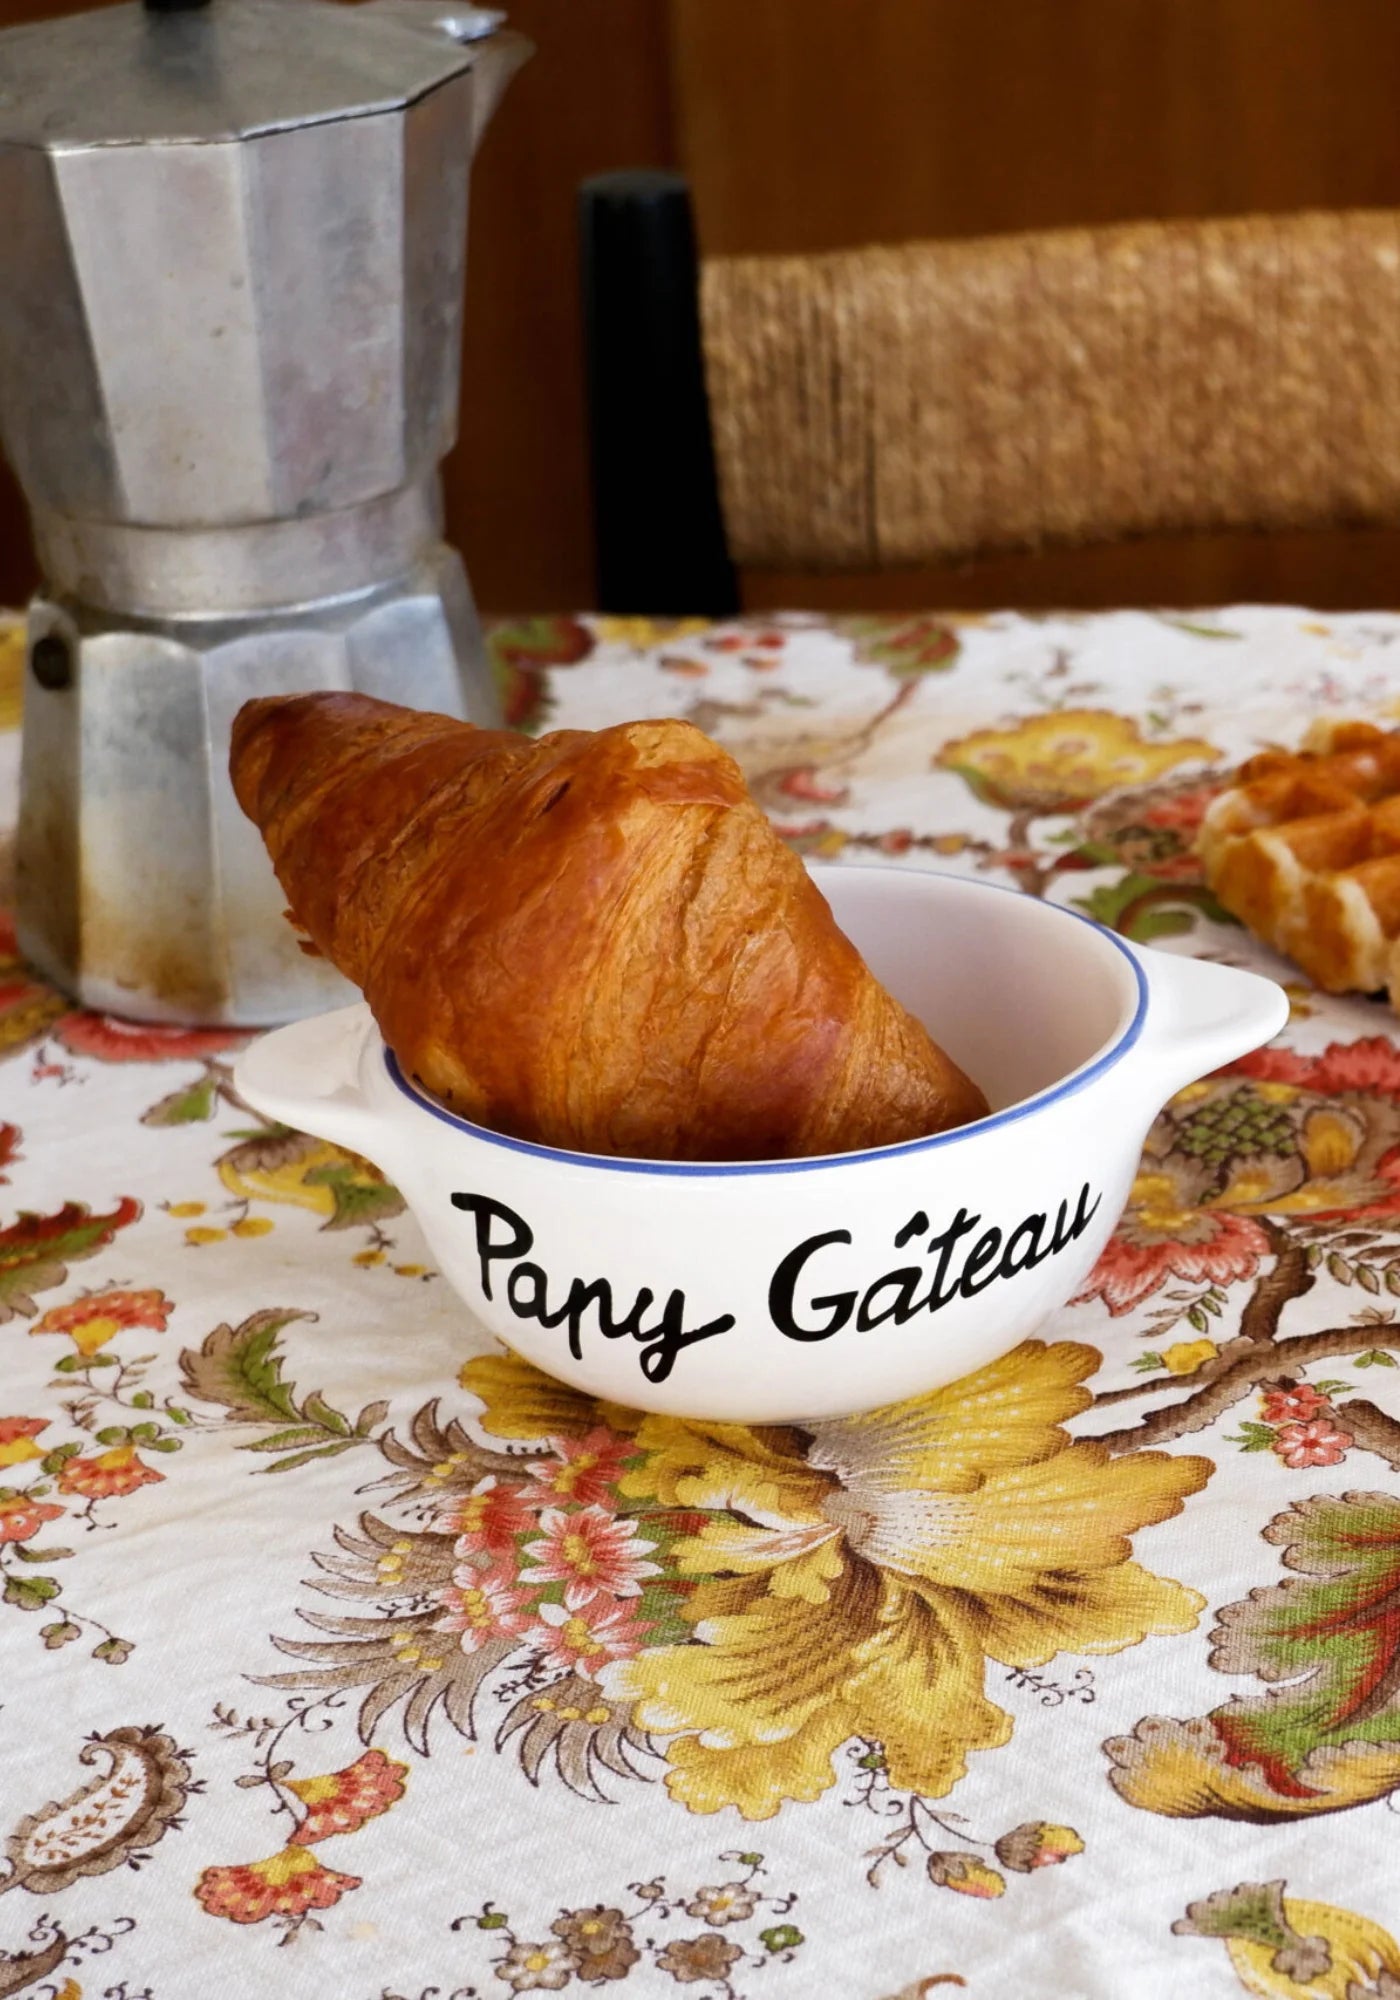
307, 1076
1201, 1016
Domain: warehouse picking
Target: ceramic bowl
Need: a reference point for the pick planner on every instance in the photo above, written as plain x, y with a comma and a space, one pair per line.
777, 1290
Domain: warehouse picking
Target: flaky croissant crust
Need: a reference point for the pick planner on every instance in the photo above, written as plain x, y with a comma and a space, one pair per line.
594, 940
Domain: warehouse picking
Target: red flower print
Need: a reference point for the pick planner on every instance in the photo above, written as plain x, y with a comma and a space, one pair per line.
489, 1519
1179, 814
1185, 867
807, 829
109, 1476
1348, 1144
28, 1008
805, 782
482, 1605
92, 1321
591, 1548
17, 1435
21, 1518
9, 1143
1373, 1063
587, 1630
111, 1040
580, 1469
1182, 810
1275, 1066
1128, 1272
1316, 1443
285, 1885
1295, 1405
342, 1801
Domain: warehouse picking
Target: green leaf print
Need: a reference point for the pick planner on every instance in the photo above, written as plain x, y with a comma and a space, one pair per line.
31, 1593
190, 1105
358, 1199
36, 1250
1142, 908
240, 1367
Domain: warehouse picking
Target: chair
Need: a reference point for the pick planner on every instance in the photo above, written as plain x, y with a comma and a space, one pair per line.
888, 406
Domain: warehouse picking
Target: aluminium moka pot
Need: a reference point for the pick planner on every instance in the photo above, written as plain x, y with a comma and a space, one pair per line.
230, 342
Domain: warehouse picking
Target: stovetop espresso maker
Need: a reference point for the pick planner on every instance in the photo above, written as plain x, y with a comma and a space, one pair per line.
235, 238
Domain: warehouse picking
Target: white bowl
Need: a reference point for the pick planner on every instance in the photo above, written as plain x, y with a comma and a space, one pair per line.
772, 1291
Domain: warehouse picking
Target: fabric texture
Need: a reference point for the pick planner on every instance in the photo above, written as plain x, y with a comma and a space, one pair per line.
345, 1657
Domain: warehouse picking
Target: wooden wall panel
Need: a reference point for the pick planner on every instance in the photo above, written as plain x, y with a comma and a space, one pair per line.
811, 124
595, 96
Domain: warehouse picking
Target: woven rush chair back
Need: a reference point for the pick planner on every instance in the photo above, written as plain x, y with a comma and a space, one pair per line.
885, 407
881, 407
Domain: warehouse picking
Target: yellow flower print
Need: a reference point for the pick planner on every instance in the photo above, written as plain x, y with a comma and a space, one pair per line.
17, 1435
92, 1321
1184, 1357
285, 1175
13, 648
1037, 1843
309, 1173
1184, 1770
639, 633
1058, 763
966, 1874
522, 1403
1301, 998
851, 1577
1288, 1949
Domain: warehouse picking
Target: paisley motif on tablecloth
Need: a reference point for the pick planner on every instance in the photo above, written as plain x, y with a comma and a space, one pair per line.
342, 1653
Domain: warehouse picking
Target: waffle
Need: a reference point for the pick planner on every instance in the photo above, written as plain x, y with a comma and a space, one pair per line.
1305, 850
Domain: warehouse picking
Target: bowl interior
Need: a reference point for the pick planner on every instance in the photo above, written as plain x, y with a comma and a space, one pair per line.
1018, 992
1022, 994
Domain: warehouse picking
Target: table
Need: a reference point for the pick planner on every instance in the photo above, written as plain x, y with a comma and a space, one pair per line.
1117, 1713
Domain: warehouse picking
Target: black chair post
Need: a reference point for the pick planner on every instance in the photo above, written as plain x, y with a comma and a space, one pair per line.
660, 532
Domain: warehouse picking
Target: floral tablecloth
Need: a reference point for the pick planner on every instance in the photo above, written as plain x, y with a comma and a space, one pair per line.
343, 1657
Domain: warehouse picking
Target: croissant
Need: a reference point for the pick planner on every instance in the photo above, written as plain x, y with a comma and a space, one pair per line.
594, 940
